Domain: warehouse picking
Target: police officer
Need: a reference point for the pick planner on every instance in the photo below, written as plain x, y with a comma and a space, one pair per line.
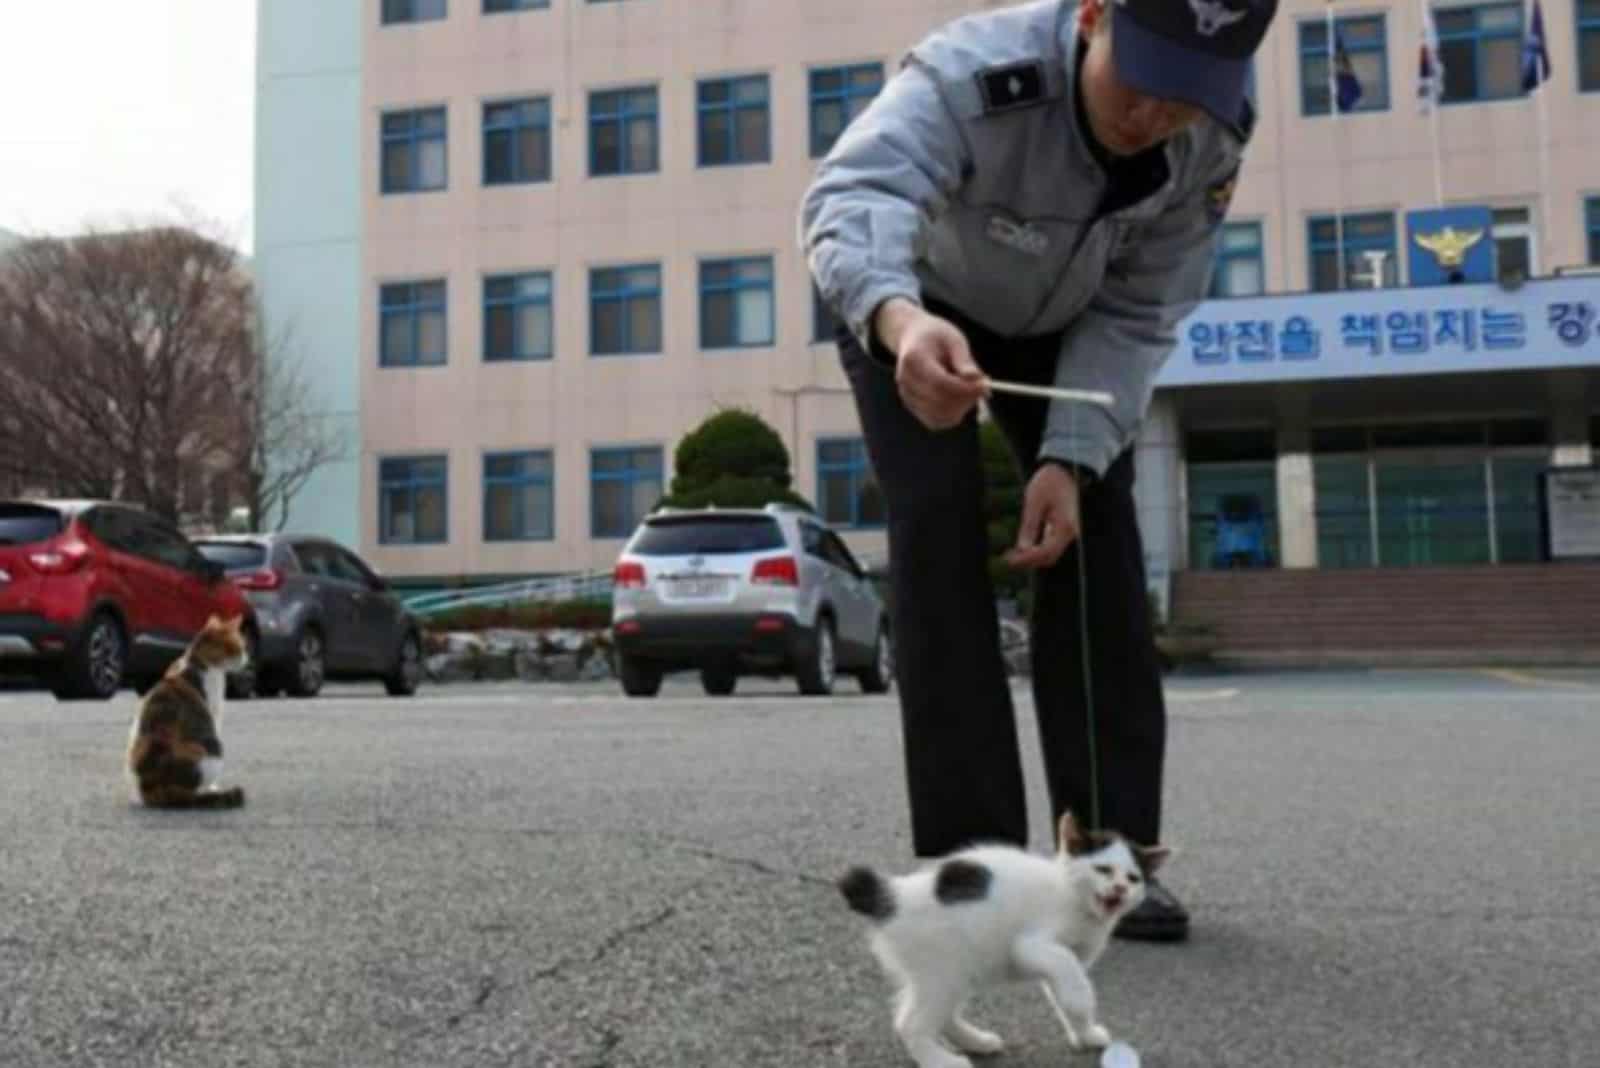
1033, 197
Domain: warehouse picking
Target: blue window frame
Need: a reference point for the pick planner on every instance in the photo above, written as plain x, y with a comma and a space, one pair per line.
736, 303
839, 94
519, 496
625, 310
413, 500
1365, 40
624, 484
824, 324
413, 324
1481, 49
623, 132
846, 487
518, 323
495, 7
516, 141
1240, 268
1591, 220
733, 121
397, 11
1588, 14
414, 151
1369, 232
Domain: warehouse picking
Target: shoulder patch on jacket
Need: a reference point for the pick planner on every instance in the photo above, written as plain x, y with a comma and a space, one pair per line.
1219, 196
1014, 85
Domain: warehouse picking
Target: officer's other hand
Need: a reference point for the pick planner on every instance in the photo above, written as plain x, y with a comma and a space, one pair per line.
934, 369
1049, 518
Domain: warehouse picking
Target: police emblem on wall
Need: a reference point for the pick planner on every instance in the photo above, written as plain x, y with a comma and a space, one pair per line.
1450, 246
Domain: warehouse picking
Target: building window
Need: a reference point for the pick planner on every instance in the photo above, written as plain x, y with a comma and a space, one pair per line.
1370, 259
396, 11
839, 94
1240, 270
736, 303
413, 498
518, 496
1365, 43
846, 486
733, 121
624, 484
625, 310
1591, 218
622, 131
1588, 12
517, 319
824, 324
495, 7
516, 141
1233, 499
414, 151
413, 324
1481, 50
1428, 494
1516, 245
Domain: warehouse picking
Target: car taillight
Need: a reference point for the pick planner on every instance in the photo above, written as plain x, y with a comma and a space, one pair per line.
266, 578
59, 559
628, 575
777, 571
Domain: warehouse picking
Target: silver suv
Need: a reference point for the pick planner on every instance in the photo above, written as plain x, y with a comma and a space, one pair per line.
745, 591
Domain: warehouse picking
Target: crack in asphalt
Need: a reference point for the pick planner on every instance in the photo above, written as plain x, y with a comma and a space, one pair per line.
609, 943
487, 985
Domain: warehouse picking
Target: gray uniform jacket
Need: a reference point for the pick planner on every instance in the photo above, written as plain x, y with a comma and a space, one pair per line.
967, 181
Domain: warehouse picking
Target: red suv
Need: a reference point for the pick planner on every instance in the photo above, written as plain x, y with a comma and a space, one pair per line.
93, 593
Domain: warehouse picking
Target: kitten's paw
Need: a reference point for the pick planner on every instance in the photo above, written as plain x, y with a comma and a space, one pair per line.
969, 1039
1092, 1037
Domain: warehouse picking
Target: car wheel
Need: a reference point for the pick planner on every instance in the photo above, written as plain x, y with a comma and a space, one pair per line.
406, 675
877, 677
816, 674
242, 683
309, 669
719, 681
639, 679
94, 666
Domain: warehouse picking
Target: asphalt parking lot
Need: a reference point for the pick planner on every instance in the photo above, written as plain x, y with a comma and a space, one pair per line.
1389, 868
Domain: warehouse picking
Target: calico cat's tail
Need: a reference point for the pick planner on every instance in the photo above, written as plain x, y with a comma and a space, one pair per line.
181, 798
868, 893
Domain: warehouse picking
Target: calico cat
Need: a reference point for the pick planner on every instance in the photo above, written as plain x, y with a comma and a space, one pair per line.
994, 914
174, 751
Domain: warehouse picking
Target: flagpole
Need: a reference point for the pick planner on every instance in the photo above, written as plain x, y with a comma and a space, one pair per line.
1338, 157
1545, 223
1430, 42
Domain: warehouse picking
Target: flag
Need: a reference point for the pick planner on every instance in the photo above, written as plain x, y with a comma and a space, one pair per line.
1348, 86
1430, 67
1535, 55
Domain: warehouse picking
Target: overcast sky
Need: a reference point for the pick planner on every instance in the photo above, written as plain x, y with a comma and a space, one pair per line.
120, 111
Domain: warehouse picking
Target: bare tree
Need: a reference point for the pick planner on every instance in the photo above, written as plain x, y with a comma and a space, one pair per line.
131, 366
285, 439
118, 358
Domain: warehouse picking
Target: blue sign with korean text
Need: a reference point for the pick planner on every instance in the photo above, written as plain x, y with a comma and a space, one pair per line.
1457, 329
1450, 246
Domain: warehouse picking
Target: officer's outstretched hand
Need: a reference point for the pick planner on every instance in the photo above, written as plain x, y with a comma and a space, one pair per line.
1049, 518
934, 369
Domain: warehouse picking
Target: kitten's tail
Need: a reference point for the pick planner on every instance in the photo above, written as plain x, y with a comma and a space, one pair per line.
159, 798
868, 893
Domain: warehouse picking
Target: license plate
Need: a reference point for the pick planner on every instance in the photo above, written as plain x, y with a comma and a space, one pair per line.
697, 587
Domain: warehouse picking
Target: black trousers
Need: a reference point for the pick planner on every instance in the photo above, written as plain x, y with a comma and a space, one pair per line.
963, 765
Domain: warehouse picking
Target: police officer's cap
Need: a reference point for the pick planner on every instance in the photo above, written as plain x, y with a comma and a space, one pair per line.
1196, 51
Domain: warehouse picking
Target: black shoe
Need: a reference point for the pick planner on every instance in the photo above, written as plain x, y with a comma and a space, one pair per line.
1160, 917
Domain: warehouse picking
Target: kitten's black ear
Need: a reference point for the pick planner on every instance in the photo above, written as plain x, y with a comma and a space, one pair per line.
1152, 857
1069, 837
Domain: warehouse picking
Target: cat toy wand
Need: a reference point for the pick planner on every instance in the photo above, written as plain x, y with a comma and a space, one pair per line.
1091, 396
